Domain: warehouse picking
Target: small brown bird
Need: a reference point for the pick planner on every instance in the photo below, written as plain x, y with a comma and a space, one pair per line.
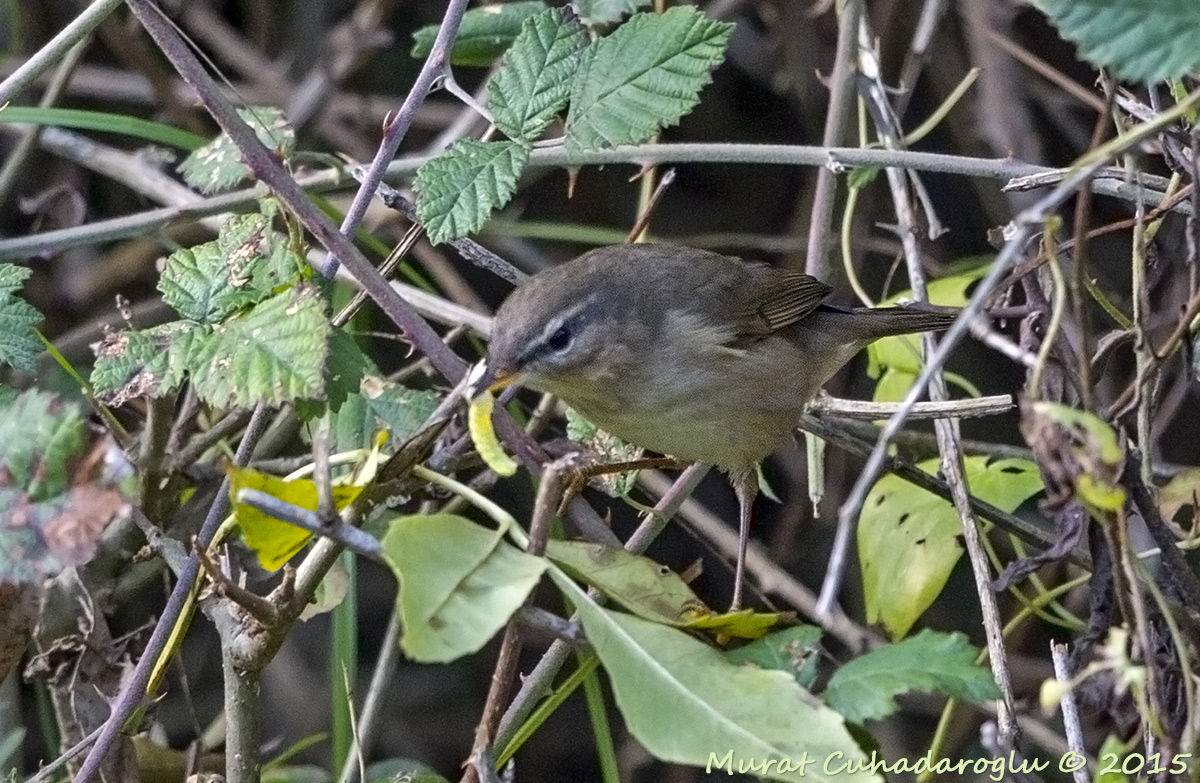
685, 352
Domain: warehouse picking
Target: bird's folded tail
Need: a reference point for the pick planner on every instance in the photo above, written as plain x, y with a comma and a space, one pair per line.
873, 323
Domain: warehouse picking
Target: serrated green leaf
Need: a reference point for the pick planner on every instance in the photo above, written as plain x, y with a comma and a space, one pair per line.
908, 537
605, 11
218, 165
483, 34
687, 704
247, 262
459, 583
863, 689
643, 77
534, 81
273, 354
144, 363
1139, 40
39, 436
381, 404
19, 342
458, 190
608, 449
793, 650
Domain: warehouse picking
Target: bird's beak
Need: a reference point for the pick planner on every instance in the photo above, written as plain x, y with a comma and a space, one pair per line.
491, 379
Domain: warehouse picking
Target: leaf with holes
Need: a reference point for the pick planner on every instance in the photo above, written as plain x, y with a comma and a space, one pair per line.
247, 262
534, 81
458, 190
643, 77
908, 537
147, 363
1139, 40
381, 404
274, 353
218, 165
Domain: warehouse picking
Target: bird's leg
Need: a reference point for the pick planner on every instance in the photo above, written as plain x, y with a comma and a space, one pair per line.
745, 485
577, 478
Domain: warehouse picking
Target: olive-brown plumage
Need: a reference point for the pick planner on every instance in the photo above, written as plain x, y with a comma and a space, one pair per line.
683, 351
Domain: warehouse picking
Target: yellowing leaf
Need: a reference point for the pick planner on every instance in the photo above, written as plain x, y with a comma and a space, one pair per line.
744, 624
652, 591
273, 540
908, 537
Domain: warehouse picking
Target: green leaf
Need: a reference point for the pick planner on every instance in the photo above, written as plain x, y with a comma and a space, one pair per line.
908, 537
793, 650
863, 689
639, 584
483, 34
1139, 40
144, 363
651, 591
608, 449
39, 437
274, 353
218, 165
687, 704
459, 189
19, 341
125, 125
605, 11
534, 81
381, 404
345, 370
643, 77
1112, 748
459, 583
247, 262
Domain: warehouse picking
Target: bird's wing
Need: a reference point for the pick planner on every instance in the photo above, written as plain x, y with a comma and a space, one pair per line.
782, 298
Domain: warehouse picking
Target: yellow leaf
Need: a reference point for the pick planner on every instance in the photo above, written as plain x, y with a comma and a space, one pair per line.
273, 540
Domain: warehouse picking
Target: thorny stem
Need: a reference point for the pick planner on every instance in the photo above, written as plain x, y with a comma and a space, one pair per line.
435, 65
841, 94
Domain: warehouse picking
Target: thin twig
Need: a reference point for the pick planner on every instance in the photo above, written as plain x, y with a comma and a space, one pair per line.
841, 94
50, 242
56, 48
433, 67
997, 404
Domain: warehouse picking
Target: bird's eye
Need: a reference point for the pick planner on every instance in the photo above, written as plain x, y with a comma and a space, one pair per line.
560, 340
